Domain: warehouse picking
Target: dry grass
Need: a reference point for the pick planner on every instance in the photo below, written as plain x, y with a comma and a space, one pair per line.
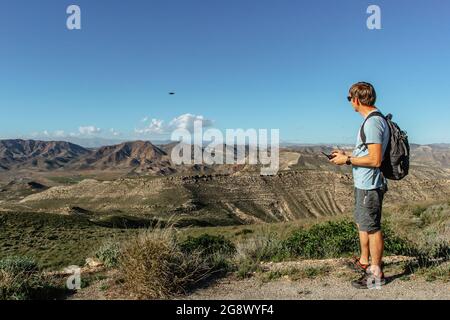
153, 266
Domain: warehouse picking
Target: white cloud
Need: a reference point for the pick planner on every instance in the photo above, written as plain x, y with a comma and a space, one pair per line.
187, 120
89, 130
184, 121
156, 126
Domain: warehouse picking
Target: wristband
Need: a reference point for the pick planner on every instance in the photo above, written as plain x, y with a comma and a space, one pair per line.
349, 161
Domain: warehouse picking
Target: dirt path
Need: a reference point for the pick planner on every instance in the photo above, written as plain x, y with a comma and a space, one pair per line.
328, 288
333, 285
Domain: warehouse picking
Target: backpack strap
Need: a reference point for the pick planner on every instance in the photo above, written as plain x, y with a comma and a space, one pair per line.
362, 133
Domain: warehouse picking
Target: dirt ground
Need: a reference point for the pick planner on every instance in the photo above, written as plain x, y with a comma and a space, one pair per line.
334, 284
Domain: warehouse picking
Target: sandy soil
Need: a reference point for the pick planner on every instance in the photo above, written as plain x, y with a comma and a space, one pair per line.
334, 285
328, 288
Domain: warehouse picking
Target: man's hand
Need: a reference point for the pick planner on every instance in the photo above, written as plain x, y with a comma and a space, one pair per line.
336, 152
339, 159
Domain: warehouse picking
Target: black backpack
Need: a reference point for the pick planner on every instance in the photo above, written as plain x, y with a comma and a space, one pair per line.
395, 165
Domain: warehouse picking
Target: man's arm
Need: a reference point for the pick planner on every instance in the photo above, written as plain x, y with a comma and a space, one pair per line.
374, 130
372, 160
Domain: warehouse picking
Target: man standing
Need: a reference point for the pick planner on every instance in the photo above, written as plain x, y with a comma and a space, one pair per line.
370, 185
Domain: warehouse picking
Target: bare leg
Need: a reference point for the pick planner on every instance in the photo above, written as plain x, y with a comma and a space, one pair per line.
376, 246
364, 243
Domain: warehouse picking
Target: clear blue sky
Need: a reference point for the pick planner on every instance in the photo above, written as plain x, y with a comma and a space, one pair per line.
241, 63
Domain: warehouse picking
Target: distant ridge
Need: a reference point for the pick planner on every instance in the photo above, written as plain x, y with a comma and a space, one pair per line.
140, 156
145, 157
45, 155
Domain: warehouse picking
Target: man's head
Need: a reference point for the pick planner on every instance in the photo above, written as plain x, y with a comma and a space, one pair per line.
362, 94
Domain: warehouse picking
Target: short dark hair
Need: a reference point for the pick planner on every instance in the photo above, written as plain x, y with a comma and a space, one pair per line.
365, 92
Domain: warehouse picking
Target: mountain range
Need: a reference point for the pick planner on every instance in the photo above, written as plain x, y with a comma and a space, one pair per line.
145, 157
139, 178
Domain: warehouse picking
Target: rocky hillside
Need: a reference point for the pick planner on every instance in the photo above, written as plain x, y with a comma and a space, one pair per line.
139, 156
436, 155
144, 157
42, 155
135, 156
229, 199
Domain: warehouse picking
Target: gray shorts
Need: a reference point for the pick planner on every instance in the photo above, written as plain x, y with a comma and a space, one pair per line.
368, 204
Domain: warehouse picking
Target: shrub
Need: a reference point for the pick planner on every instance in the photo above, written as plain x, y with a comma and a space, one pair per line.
335, 239
208, 245
251, 252
266, 247
327, 240
109, 254
20, 279
153, 265
17, 265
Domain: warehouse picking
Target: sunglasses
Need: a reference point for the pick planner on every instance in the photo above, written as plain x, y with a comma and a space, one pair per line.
349, 98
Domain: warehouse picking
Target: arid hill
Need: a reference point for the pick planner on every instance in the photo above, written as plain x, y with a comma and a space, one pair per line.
41, 155
143, 157
436, 155
307, 185
238, 198
139, 156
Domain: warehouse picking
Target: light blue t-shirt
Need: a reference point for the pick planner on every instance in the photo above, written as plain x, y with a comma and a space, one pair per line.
377, 131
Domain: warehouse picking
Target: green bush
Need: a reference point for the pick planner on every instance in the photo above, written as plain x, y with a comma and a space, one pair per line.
109, 254
327, 240
17, 265
208, 245
20, 279
337, 239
